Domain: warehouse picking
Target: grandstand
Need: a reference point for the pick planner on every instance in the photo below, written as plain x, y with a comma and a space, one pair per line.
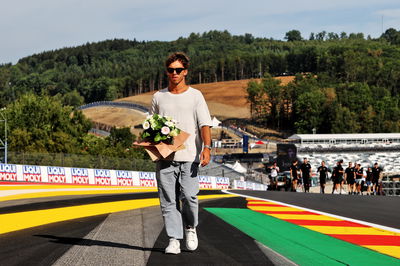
365, 149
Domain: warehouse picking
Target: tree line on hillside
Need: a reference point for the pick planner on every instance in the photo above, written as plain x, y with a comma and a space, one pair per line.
317, 103
118, 68
346, 84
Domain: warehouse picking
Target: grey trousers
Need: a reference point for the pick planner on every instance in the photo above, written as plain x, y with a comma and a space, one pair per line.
177, 181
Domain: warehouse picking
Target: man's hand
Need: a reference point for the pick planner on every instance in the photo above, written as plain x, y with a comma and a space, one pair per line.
205, 157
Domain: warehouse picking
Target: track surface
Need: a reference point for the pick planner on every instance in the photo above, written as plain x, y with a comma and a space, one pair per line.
374, 209
137, 237
220, 243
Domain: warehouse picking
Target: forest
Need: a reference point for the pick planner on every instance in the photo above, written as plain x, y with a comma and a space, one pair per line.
345, 83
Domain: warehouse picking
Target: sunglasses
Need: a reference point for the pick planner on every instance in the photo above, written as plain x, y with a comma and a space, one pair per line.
172, 70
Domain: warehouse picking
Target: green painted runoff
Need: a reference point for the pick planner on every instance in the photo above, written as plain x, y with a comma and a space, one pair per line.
299, 244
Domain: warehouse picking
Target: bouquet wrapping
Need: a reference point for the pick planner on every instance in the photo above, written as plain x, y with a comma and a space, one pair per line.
160, 137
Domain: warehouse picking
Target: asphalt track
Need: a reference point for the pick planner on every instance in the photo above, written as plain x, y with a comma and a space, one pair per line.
374, 209
137, 237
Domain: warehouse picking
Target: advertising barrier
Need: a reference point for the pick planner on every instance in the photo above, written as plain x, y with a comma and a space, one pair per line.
105, 177
8, 172
237, 184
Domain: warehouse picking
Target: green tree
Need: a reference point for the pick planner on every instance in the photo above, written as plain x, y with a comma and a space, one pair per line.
293, 35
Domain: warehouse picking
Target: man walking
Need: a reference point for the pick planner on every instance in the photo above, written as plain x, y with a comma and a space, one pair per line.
323, 174
274, 169
177, 177
338, 180
294, 175
350, 177
305, 170
376, 175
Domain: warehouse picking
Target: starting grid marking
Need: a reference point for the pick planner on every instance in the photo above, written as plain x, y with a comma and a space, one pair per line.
375, 238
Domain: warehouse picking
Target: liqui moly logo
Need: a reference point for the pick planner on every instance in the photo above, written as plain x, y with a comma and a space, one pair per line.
222, 182
8, 172
31, 173
240, 184
147, 179
31, 169
205, 181
56, 174
80, 176
102, 173
79, 172
147, 175
8, 168
124, 178
123, 174
51, 170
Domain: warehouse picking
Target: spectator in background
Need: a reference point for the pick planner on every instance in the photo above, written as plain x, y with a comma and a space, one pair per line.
323, 174
294, 175
359, 178
305, 170
368, 180
338, 180
350, 177
376, 176
274, 169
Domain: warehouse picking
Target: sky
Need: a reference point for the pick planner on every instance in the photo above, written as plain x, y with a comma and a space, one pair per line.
28, 27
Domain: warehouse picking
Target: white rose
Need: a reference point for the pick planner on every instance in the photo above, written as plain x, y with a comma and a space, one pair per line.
169, 124
146, 125
165, 130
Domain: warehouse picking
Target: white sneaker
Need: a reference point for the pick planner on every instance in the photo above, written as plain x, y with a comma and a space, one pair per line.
174, 246
191, 239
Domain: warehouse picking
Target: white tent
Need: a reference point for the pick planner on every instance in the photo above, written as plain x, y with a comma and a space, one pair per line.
215, 122
239, 168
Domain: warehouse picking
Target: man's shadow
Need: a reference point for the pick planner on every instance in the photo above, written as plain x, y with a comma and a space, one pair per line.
90, 242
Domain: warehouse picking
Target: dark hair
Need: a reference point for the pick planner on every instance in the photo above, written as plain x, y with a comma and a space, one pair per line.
178, 56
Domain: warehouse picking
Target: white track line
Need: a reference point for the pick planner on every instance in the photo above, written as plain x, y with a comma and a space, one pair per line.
391, 229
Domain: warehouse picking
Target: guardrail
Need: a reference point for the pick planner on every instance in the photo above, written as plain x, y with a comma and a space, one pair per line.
128, 105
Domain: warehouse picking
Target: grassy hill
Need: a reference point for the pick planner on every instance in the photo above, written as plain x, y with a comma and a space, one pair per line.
226, 100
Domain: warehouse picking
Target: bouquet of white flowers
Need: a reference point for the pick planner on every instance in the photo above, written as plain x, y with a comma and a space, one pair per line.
161, 138
159, 128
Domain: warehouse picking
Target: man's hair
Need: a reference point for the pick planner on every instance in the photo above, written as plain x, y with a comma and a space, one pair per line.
178, 56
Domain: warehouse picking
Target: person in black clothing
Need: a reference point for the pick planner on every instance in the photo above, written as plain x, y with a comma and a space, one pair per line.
350, 177
359, 178
323, 174
305, 170
338, 180
368, 180
294, 175
376, 175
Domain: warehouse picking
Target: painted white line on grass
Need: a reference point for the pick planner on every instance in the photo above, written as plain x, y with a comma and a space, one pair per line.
387, 228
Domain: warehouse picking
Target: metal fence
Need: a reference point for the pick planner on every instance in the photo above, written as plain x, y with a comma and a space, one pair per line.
81, 161
128, 105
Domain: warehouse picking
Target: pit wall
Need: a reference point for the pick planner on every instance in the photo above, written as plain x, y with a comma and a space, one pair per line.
34, 174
